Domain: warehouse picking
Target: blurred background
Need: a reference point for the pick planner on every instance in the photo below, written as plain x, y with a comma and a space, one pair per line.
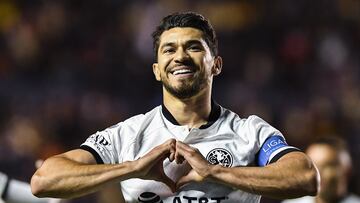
69, 68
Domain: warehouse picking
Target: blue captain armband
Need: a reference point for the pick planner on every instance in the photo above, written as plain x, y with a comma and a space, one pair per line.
273, 146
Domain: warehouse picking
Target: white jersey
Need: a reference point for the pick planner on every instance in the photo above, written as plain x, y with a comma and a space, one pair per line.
308, 199
226, 139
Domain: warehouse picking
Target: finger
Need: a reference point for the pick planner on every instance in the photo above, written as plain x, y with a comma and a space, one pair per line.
164, 148
183, 146
183, 149
172, 150
155, 154
172, 156
179, 159
168, 145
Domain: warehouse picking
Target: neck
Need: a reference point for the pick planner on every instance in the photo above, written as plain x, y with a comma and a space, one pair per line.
193, 111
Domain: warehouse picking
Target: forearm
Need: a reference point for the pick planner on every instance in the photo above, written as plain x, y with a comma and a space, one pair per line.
64, 178
74, 173
290, 177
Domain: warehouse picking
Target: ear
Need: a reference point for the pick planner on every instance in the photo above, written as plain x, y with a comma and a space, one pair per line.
156, 71
218, 63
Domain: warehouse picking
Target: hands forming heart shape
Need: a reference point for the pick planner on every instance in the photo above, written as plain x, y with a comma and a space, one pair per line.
150, 166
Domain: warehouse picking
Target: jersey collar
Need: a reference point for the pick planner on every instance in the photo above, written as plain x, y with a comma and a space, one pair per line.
214, 115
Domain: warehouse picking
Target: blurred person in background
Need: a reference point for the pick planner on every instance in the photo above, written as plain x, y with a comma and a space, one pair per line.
23, 143
189, 148
332, 157
15, 191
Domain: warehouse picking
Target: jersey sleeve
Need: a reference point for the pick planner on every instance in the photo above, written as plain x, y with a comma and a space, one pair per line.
269, 142
102, 145
4, 183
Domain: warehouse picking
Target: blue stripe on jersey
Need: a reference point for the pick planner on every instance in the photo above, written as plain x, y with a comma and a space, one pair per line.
271, 144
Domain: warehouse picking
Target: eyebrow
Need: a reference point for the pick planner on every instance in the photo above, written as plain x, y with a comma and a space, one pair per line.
193, 42
170, 44
187, 43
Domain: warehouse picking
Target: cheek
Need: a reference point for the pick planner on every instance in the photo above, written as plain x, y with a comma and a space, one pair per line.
164, 62
208, 62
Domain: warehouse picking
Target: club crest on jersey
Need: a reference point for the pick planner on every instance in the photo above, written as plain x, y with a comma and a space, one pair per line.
220, 156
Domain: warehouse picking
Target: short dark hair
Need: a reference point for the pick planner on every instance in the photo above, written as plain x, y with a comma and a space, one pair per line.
186, 19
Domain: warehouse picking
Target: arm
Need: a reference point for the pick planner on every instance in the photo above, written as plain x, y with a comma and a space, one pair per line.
293, 175
75, 173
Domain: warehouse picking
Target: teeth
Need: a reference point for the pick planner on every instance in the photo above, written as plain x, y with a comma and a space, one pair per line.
182, 71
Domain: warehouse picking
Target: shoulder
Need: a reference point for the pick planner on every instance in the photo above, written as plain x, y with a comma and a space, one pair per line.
112, 141
136, 121
131, 125
231, 117
252, 127
252, 121
227, 113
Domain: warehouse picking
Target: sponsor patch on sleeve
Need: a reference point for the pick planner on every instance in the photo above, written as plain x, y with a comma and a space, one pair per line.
101, 147
271, 145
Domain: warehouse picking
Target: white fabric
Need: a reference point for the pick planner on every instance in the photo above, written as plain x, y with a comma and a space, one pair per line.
133, 138
308, 199
3, 181
20, 192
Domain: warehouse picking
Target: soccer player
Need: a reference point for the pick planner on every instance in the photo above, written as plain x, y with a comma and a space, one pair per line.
332, 157
189, 149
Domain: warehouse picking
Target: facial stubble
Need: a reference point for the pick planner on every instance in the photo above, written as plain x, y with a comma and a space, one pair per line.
188, 87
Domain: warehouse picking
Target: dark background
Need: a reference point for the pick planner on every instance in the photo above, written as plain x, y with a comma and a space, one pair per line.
69, 68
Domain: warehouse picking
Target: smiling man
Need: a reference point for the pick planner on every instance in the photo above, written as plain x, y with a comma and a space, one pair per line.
189, 149
185, 73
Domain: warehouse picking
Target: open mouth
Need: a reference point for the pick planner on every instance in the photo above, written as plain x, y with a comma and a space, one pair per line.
182, 71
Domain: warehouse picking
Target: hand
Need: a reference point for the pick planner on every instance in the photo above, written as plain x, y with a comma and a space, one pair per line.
200, 166
150, 166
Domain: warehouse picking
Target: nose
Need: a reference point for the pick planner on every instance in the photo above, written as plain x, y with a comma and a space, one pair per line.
181, 56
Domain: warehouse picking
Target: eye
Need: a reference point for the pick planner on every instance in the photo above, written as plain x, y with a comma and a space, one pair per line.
195, 48
168, 50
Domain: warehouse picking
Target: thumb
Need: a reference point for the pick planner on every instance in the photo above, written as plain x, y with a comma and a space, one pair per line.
183, 180
191, 176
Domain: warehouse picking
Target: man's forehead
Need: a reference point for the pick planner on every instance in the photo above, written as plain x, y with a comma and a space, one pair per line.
181, 34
